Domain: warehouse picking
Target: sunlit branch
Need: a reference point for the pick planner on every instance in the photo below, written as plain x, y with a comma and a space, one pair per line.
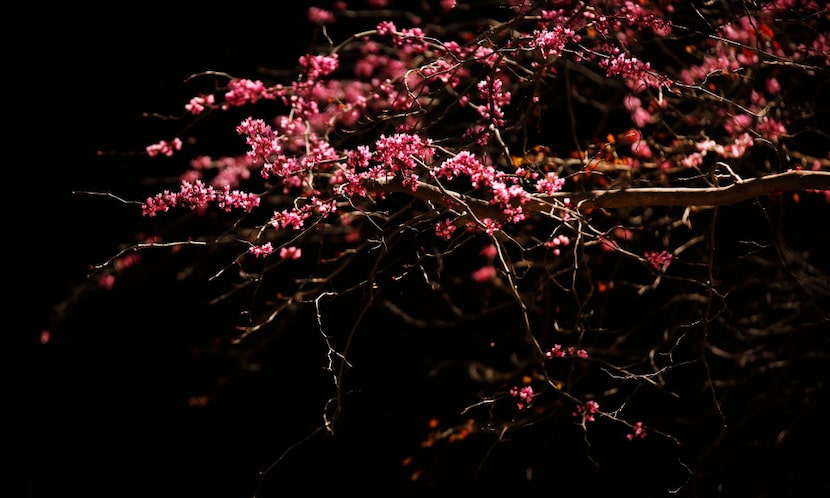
790, 181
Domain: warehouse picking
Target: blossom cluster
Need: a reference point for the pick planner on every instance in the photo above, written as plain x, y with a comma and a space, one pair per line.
411, 128
198, 195
659, 260
557, 351
587, 412
524, 396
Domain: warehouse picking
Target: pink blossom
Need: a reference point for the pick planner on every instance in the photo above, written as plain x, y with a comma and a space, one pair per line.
198, 195
550, 184
466, 163
445, 229
551, 42
559, 240
773, 87
484, 274
164, 147
556, 242
448, 4
164, 201
638, 432
555, 352
197, 104
491, 92
489, 251
558, 352
693, 160
320, 16
293, 218
228, 199
579, 353
107, 281
587, 411
490, 226
316, 66
262, 139
659, 260
291, 252
504, 194
738, 123
402, 151
261, 250
639, 73
524, 394
640, 116
231, 170
386, 28
770, 128
127, 261
641, 150
243, 91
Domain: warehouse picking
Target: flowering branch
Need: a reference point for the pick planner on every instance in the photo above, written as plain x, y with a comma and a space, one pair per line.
488, 170
789, 181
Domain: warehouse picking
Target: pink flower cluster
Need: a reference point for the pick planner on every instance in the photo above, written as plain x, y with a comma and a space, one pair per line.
485, 274
659, 260
524, 396
638, 432
225, 171
291, 252
164, 147
445, 229
587, 412
488, 271
552, 41
321, 16
639, 74
263, 250
557, 351
557, 242
198, 195
243, 91
549, 184
198, 104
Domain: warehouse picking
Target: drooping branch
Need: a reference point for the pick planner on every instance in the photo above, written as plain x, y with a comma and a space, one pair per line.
790, 181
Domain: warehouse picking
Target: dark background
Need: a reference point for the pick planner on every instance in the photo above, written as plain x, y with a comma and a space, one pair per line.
102, 409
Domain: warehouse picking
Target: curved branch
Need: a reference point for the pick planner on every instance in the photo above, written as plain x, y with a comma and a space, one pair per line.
789, 181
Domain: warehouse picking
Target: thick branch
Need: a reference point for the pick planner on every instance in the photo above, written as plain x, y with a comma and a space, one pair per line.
789, 181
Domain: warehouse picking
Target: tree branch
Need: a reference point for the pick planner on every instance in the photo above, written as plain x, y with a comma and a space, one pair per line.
789, 181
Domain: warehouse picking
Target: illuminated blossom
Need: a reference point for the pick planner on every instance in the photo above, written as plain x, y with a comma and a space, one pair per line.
524, 396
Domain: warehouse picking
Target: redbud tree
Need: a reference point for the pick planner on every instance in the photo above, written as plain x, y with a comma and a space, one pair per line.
548, 189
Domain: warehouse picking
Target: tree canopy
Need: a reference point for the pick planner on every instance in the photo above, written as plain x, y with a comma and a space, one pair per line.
545, 241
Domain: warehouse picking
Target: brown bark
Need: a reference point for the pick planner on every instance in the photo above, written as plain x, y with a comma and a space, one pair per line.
790, 181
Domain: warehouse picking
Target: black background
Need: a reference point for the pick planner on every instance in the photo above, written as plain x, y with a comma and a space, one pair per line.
101, 410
